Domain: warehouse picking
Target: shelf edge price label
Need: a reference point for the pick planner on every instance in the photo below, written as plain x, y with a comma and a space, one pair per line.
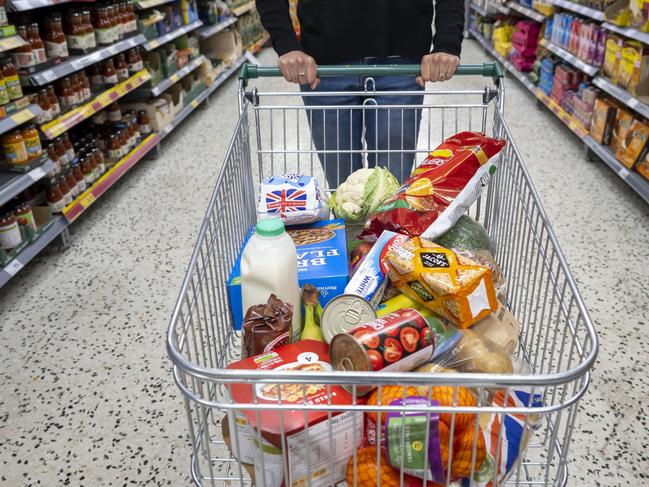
87, 200
13, 267
36, 173
22, 116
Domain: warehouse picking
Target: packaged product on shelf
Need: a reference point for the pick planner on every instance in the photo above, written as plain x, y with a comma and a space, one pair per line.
643, 164
296, 199
623, 121
602, 120
10, 235
321, 261
4, 95
14, 90
330, 438
612, 57
440, 190
628, 151
451, 285
14, 148
633, 65
266, 327
56, 45
23, 56
32, 141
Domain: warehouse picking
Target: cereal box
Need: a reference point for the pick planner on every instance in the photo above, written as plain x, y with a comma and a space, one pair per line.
321, 261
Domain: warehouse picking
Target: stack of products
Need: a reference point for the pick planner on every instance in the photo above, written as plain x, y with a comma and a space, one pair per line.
22, 220
425, 295
546, 74
626, 63
502, 38
524, 43
566, 80
584, 39
630, 13
580, 104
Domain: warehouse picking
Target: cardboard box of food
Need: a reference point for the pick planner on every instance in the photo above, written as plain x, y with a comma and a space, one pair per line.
628, 151
602, 121
277, 437
321, 261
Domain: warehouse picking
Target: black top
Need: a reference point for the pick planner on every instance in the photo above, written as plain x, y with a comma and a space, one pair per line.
336, 31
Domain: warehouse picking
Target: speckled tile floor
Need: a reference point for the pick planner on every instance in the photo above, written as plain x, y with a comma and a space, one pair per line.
88, 397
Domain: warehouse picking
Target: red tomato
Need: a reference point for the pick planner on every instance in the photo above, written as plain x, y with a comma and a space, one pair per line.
375, 359
368, 338
409, 338
426, 337
393, 350
391, 330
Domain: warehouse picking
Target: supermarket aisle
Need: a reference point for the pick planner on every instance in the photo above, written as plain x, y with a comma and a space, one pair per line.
89, 395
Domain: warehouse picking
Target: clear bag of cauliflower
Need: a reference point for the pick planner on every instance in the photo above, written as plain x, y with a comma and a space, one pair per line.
449, 284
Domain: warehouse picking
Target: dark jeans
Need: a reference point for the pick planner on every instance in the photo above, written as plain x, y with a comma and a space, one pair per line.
342, 130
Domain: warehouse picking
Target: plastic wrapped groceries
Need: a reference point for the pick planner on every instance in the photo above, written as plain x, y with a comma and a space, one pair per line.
296, 199
440, 190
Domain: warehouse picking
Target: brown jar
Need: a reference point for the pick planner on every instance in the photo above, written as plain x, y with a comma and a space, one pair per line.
75, 33
114, 23
23, 56
96, 79
55, 108
113, 112
102, 26
69, 150
144, 123
32, 141
123, 18
78, 176
85, 85
99, 159
121, 68
77, 91
134, 61
55, 43
61, 154
94, 168
12, 81
71, 181
86, 169
46, 108
66, 93
108, 73
114, 149
51, 153
14, 148
66, 190
131, 17
89, 31
38, 47
54, 197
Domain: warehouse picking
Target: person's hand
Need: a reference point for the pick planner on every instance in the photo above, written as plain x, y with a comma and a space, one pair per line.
298, 67
437, 67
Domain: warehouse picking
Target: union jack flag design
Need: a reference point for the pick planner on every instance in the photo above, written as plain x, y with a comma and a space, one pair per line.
286, 200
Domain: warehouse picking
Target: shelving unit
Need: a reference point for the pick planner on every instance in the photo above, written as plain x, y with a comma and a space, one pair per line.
13, 183
570, 58
527, 12
83, 112
580, 9
629, 32
574, 126
622, 95
243, 9
76, 63
143, 4
210, 30
170, 36
18, 118
177, 76
25, 5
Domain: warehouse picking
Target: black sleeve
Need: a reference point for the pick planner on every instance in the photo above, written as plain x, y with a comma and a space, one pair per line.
449, 26
277, 21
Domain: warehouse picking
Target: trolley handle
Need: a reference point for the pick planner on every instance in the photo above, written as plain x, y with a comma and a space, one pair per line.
491, 70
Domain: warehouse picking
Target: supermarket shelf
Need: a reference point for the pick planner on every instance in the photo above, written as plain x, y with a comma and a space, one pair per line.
629, 32
24, 5
569, 121
11, 42
170, 36
11, 269
142, 4
257, 46
589, 69
501, 7
21, 116
210, 30
12, 183
185, 111
177, 76
527, 12
580, 9
88, 197
479, 9
622, 95
76, 63
522, 77
242, 9
639, 184
74, 117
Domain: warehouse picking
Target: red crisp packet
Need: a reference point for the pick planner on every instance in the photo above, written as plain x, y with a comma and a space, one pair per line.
447, 182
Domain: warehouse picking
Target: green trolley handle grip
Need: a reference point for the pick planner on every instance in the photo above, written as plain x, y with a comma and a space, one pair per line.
491, 70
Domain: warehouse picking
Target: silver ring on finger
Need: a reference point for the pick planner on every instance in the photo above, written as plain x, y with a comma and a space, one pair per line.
442, 77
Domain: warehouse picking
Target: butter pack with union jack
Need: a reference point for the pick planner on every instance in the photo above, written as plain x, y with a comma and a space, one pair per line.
296, 199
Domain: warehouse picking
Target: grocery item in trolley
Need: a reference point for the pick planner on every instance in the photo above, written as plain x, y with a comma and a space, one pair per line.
441, 188
343, 313
304, 436
295, 198
450, 285
370, 279
501, 327
397, 342
477, 354
321, 261
266, 327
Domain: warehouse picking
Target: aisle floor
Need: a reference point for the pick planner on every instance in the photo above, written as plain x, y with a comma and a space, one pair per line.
88, 397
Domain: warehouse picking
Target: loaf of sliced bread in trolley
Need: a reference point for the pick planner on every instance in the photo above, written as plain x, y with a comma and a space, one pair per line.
447, 283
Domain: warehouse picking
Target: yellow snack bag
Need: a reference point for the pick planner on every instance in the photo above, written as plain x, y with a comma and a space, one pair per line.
612, 57
447, 283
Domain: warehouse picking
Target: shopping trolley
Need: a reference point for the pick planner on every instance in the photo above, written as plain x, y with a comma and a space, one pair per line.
557, 339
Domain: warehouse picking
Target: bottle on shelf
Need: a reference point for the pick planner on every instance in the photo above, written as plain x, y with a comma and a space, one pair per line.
51, 153
143, 123
54, 197
113, 112
96, 78
62, 156
67, 145
121, 67
55, 108
71, 181
77, 92
114, 150
32, 141
75, 34
85, 85
86, 169
35, 41
14, 148
65, 93
10, 236
55, 43
134, 61
4, 95
114, 21
46, 109
23, 55
25, 216
66, 190
78, 176
102, 25
109, 74
89, 31
99, 158
131, 18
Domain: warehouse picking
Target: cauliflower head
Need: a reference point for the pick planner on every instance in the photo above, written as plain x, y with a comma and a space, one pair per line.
362, 193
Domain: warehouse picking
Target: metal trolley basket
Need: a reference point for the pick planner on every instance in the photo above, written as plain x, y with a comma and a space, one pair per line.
557, 338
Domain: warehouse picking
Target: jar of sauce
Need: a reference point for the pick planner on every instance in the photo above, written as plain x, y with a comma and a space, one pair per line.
34, 39
54, 197
134, 61
66, 190
86, 169
78, 176
23, 55
10, 74
55, 108
69, 150
102, 26
61, 154
4, 96
113, 112
44, 102
10, 235
143, 123
121, 68
99, 159
77, 92
131, 18
76, 32
89, 31
51, 153
14, 148
66, 93
32, 141
71, 181
114, 149
109, 74
55, 43
96, 79
85, 85
25, 216
114, 23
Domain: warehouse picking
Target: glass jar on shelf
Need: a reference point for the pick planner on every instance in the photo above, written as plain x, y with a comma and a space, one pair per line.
109, 74
14, 148
55, 107
134, 61
36, 43
89, 31
121, 67
32, 141
23, 55
55, 43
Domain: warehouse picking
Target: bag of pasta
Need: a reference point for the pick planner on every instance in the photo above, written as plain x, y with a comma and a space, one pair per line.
449, 284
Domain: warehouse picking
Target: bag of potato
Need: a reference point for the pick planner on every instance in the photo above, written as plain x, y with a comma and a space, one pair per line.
451, 285
477, 354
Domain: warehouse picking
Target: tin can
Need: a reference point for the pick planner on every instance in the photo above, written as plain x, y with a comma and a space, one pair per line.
343, 313
397, 342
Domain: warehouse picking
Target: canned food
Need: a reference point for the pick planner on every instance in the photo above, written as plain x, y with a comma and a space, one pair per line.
397, 342
343, 313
